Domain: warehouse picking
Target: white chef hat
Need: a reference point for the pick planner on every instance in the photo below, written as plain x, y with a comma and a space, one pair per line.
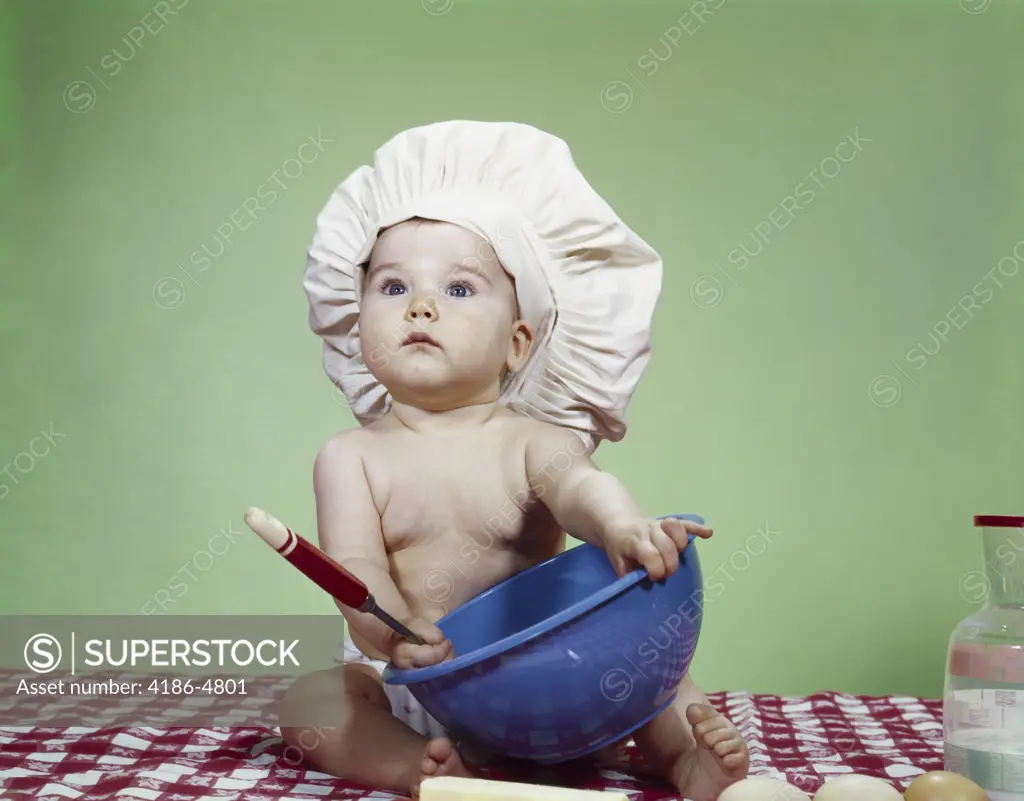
585, 282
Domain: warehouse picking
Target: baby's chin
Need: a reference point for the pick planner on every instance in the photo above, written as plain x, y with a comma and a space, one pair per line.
430, 387
421, 382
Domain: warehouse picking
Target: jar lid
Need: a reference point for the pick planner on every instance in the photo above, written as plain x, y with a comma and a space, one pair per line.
999, 521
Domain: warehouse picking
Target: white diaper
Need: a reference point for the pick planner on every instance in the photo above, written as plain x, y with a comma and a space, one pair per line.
404, 705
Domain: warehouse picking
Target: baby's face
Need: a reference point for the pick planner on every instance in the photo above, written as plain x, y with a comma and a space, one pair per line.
438, 319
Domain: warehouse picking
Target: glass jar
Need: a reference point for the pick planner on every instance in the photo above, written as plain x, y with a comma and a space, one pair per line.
983, 710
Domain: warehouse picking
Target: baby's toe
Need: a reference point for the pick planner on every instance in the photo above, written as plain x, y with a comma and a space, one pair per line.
719, 740
733, 760
439, 750
697, 714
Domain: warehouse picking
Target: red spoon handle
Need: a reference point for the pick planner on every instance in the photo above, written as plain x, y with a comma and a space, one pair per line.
317, 566
326, 573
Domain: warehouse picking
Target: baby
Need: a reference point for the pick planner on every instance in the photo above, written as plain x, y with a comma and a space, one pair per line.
409, 502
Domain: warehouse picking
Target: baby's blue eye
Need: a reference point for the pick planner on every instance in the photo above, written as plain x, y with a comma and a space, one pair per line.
459, 290
393, 288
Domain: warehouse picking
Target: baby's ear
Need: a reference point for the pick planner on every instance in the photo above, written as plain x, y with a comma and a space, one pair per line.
520, 346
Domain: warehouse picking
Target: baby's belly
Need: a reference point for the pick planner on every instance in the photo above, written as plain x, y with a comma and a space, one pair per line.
439, 576
435, 583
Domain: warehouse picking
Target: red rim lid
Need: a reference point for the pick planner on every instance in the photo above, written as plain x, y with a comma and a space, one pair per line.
999, 521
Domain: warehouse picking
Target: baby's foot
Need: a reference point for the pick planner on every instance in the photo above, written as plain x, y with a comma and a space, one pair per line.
720, 759
439, 759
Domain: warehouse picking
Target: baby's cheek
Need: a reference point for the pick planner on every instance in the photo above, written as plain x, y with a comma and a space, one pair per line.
378, 358
489, 351
381, 338
490, 330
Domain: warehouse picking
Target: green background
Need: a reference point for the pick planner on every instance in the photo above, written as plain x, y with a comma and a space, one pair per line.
761, 410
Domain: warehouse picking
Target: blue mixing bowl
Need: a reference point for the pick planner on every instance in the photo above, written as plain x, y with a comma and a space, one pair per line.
563, 658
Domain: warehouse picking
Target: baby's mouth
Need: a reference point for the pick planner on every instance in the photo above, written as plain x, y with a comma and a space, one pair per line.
420, 337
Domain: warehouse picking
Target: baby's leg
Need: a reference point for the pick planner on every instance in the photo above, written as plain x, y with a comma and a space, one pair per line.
341, 721
693, 746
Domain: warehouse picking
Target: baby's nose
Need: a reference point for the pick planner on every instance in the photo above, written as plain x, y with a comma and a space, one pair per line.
423, 308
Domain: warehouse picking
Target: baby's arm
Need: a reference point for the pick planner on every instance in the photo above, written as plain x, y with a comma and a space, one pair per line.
584, 500
593, 506
350, 533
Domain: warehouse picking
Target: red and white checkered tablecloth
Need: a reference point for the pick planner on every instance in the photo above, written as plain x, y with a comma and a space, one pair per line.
803, 740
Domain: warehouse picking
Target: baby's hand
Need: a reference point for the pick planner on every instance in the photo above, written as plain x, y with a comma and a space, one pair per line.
405, 655
650, 544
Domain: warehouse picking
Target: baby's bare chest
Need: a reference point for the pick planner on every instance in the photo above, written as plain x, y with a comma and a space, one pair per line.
459, 492
457, 516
